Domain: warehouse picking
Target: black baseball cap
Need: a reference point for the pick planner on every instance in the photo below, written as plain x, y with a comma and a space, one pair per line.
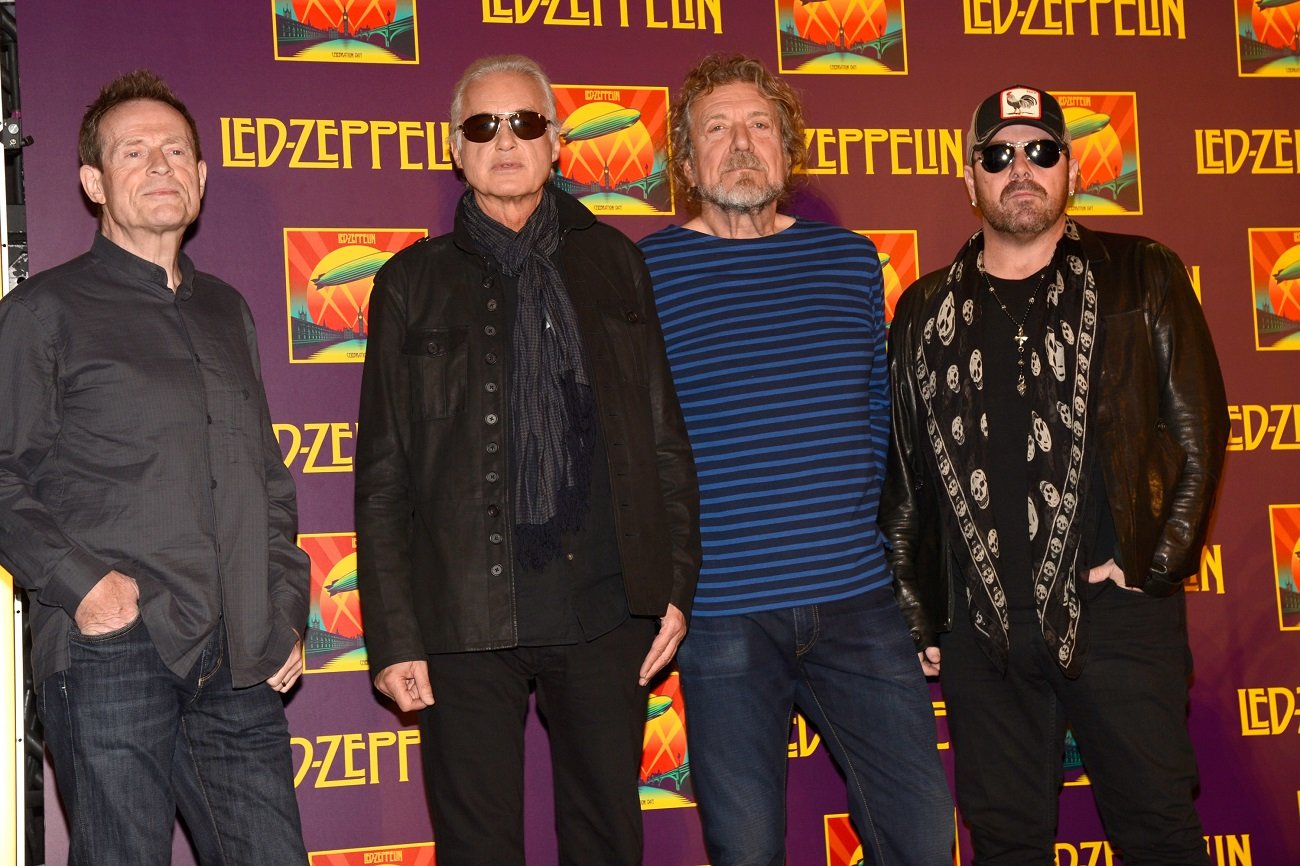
1019, 104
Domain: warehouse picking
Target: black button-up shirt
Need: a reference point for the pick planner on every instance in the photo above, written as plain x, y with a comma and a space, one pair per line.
135, 435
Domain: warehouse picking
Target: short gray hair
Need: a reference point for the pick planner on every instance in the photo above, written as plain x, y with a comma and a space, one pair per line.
516, 64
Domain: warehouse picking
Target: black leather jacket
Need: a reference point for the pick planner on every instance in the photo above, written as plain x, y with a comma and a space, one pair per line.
436, 562
1159, 416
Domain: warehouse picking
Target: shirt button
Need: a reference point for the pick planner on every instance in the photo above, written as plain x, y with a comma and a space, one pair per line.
490, 330
490, 418
492, 304
490, 387
632, 317
209, 419
214, 483
493, 447
496, 570
493, 511
569, 556
492, 477
490, 357
487, 282
495, 538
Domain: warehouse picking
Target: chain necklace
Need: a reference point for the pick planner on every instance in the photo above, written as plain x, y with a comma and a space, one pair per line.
1021, 337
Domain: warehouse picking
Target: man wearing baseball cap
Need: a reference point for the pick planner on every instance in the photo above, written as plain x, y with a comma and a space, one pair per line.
1059, 425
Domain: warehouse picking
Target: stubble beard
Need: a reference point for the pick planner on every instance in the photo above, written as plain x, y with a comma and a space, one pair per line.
1023, 218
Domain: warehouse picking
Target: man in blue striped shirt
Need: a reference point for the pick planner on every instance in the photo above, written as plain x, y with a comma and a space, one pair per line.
776, 338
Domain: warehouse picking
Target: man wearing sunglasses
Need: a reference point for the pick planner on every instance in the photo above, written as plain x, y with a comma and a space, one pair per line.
526, 503
1059, 429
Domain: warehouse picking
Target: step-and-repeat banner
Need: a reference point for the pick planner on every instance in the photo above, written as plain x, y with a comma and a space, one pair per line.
325, 127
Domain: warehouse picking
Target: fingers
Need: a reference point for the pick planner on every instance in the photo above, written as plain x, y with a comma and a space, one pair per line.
407, 683
283, 679
661, 653
929, 659
672, 628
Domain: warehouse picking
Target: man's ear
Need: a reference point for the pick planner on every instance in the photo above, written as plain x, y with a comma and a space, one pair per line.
92, 182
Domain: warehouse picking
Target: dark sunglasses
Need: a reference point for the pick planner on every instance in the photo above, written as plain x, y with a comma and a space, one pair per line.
482, 128
1044, 153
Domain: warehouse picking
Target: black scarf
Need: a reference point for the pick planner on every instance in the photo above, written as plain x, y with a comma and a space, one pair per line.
552, 411
1060, 376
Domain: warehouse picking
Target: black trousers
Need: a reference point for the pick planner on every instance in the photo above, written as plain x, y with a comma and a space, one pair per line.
473, 748
1128, 711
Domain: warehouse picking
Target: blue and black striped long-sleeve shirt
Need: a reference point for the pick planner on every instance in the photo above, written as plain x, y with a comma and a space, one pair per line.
777, 349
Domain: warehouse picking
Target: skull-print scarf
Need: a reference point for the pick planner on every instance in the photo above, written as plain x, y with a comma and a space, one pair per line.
949, 369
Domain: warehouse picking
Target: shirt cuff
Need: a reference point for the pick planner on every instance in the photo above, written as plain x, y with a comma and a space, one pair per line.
72, 579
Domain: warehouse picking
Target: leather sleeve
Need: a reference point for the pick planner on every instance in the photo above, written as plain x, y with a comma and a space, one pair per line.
1193, 409
383, 503
909, 509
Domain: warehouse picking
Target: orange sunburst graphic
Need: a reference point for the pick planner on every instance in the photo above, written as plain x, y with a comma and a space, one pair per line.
1278, 26
842, 845
898, 256
1100, 154
841, 21
1284, 284
422, 854
329, 274
1103, 129
334, 627
665, 769
627, 154
614, 147
1275, 284
360, 13
1285, 520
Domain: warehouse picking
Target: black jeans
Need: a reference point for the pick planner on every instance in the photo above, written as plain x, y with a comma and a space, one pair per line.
473, 748
1128, 711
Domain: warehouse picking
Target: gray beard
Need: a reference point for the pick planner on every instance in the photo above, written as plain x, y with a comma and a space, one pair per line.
745, 197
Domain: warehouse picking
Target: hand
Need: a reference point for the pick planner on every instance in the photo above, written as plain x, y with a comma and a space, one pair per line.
407, 683
1108, 570
929, 659
283, 679
672, 628
112, 603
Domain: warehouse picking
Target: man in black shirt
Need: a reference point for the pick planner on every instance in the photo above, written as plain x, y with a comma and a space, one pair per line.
1059, 428
145, 508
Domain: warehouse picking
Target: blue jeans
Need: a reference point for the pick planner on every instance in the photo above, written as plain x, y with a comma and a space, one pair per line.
131, 743
851, 668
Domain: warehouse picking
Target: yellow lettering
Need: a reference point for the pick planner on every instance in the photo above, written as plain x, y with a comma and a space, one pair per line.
406, 130
350, 129
379, 128
295, 441
805, 742
267, 156
845, 137
898, 137
233, 150
1249, 702
325, 130
975, 18
1209, 578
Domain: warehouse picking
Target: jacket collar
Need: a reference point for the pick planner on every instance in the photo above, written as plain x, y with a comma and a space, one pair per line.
573, 216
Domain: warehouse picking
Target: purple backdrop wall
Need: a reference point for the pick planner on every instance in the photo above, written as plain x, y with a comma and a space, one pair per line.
1212, 85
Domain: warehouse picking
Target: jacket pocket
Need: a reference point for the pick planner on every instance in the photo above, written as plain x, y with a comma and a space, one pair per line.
626, 332
438, 363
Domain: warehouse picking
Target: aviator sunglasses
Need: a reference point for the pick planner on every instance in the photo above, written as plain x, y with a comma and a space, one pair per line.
482, 128
1044, 153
